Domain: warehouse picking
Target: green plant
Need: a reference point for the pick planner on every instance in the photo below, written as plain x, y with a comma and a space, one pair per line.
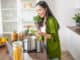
76, 17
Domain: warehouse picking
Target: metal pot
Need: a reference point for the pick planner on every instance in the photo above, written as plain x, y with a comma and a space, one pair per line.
29, 43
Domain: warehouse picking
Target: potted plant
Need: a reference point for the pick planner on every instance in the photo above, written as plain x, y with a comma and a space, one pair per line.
77, 18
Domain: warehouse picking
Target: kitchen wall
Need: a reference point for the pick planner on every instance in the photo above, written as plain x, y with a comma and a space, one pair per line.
65, 9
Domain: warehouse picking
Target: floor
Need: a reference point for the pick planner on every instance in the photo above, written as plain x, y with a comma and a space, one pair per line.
66, 56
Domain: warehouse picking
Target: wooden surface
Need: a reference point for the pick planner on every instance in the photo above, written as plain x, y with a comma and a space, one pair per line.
4, 55
39, 56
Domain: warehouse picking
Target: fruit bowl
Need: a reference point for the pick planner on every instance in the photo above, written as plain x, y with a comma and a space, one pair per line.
3, 41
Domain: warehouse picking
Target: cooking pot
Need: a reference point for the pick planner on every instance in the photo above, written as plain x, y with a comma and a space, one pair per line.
29, 43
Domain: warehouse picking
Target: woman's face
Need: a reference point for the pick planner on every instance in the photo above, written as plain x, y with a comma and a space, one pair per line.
41, 11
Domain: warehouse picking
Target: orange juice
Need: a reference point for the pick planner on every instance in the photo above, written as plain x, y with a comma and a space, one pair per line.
17, 51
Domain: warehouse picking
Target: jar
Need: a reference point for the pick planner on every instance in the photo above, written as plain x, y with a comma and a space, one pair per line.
17, 50
14, 36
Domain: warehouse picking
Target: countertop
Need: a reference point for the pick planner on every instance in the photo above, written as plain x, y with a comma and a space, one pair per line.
75, 29
4, 55
34, 55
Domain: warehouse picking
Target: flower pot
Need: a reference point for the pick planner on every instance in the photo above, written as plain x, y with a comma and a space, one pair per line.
78, 23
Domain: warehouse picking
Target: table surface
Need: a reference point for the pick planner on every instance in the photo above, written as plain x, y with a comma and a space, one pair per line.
4, 55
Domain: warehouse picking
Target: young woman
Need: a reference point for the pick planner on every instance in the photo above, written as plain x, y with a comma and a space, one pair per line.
46, 20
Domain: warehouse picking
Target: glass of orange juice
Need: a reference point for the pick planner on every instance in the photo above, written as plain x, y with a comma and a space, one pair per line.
17, 50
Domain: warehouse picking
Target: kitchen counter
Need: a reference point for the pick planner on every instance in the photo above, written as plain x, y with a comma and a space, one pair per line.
27, 56
75, 29
32, 55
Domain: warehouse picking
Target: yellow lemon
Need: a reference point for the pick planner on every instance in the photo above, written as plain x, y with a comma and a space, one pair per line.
3, 39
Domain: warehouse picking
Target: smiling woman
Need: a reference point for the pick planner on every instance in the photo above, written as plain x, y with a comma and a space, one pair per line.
48, 21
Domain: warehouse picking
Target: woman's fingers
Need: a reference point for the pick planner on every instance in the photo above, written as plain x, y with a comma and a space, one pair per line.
48, 36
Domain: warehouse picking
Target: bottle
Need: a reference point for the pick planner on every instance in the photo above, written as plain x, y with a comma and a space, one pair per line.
20, 36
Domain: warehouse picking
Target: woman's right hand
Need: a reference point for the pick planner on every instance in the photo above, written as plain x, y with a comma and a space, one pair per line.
37, 34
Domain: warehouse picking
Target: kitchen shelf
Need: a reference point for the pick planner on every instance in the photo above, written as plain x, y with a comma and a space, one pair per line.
9, 21
14, 15
8, 9
9, 26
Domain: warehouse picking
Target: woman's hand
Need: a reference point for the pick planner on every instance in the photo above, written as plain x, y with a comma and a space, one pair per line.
47, 36
39, 33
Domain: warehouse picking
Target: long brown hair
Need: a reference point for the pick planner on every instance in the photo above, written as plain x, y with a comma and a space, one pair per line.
44, 5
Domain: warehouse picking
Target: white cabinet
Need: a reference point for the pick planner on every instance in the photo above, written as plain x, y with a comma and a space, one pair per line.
14, 15
74, 45
70, 41
27, 13
9, 15
64, 35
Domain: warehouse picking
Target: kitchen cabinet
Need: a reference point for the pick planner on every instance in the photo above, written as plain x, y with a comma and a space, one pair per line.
64, 35
28, 12
70, 41
9, 15
14, 15
74, 44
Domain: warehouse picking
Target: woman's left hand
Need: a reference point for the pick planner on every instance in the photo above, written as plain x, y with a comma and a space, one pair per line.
47, 36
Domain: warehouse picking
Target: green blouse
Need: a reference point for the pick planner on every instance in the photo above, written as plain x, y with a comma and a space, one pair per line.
53, 44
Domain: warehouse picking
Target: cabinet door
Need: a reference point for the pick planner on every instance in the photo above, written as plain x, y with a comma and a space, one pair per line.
75, 38
27, 16
9, 15
64, 35
9, 27
27, 13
